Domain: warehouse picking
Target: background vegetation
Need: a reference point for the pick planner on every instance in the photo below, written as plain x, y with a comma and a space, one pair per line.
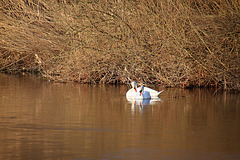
169, 42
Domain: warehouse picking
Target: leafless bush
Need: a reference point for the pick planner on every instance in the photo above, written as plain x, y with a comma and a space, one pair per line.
174, 43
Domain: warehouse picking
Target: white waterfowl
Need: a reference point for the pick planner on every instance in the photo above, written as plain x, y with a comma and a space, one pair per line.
141, 94
131, 93
153, 93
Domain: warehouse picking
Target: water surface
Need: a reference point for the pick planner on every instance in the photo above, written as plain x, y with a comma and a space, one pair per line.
45, 120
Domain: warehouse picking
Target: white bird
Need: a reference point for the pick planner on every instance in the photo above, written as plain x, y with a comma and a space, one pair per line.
153, 93
142, 94
131, 93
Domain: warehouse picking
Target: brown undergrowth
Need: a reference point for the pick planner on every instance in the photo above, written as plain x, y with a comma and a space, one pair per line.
173, 43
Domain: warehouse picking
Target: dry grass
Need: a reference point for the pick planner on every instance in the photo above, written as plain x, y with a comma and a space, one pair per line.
173, 43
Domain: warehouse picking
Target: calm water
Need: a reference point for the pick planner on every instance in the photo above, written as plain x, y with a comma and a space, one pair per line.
44, 120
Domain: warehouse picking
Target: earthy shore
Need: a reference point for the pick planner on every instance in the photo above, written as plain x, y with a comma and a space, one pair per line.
173, 43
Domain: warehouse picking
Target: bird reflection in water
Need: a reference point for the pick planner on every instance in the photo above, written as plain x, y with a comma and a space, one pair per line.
142, 103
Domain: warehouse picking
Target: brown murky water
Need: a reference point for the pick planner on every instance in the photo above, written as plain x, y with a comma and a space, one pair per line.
44, 120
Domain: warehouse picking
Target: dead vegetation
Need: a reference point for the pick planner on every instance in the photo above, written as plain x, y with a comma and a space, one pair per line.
173, 43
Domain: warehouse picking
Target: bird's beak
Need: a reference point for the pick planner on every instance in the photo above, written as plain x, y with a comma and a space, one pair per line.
140, 92
135, 89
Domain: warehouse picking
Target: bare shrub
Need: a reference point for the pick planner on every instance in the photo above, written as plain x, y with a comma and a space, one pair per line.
174, 43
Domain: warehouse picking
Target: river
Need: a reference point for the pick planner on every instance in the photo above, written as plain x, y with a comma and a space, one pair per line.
45, 120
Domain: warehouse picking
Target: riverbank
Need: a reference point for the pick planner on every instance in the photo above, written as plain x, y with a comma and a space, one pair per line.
172, 43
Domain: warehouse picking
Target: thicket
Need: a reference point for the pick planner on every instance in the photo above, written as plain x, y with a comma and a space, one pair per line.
169, 42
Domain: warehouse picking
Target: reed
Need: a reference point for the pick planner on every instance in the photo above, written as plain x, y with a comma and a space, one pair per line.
172, 43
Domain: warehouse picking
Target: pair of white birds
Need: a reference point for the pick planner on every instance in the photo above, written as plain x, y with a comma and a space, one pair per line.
141, 92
